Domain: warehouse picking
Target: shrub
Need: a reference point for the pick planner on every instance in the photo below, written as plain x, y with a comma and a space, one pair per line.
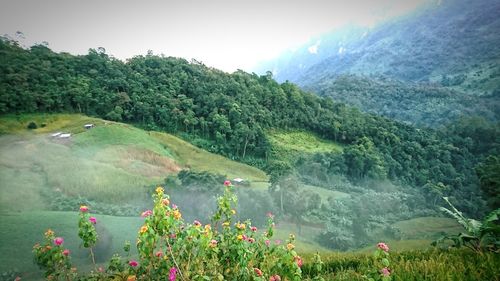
32, 125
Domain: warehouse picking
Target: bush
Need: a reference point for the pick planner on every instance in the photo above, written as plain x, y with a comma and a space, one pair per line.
32, 125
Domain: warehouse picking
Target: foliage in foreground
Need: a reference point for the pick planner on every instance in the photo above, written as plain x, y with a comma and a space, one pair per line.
479, 236
434, 264
228, 249
167, 246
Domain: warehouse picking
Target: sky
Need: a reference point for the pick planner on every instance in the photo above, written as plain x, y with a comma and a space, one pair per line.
225, 34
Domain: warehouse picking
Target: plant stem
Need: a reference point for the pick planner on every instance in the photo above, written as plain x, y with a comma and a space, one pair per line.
93, 258
173, 258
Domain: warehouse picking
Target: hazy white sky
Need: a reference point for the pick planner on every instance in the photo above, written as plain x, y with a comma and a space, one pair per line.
226, 34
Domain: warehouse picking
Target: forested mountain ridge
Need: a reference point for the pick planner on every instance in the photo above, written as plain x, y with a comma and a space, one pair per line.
438, 43
230, 113
421, 104
449, 46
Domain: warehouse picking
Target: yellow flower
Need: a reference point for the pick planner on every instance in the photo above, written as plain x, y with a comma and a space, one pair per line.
144, 228
131, 278
290, 246
241, 226
49, 233
225, 224
233, 211
177, 214
239, 237
159, 189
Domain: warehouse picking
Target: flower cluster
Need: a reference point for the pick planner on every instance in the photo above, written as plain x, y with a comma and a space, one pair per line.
53, 258
167, 246
382, 246
381, 270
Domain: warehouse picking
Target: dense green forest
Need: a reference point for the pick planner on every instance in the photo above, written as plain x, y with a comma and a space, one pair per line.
419, 104
392, 165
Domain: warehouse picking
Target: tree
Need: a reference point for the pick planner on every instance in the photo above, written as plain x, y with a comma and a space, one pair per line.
489, 176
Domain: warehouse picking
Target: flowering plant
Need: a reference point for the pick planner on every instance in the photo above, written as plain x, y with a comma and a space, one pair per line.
381, 269
169, 247
54, 258
87, 231
225, 249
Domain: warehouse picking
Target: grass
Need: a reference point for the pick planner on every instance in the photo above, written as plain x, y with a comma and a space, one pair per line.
201, 160
433, 264
304, 242
324, 193
428, 227
20, 231
292, 143
111, 162
71, 123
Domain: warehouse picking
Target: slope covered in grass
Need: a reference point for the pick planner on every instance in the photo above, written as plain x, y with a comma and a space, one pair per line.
20, 231
290, 144
111, 162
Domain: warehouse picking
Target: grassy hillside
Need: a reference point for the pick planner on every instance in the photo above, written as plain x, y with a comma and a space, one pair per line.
290, 144
195, 158
113, 161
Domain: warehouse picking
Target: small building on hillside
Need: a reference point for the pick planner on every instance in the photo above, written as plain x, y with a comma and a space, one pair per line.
89, 126
56, 134
238, 180
64, 136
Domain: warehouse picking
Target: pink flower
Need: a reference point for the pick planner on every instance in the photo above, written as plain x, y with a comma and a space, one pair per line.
385, 271
66, 252
213, 243
196, 223
268, 242
227, 183
146, 213
298, 260
251, 240
173, 274
100, 269
277, 242
159, 254
174, 206
244, 237
254, 229
270, 215
58, 241
93, 220
275, 278
258, 272
133, 263
84, 208
383, 247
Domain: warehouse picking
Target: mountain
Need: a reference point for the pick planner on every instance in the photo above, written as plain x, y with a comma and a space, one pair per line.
452, 44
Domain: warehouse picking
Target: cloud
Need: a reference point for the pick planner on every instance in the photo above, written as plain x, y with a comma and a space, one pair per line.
314, 48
